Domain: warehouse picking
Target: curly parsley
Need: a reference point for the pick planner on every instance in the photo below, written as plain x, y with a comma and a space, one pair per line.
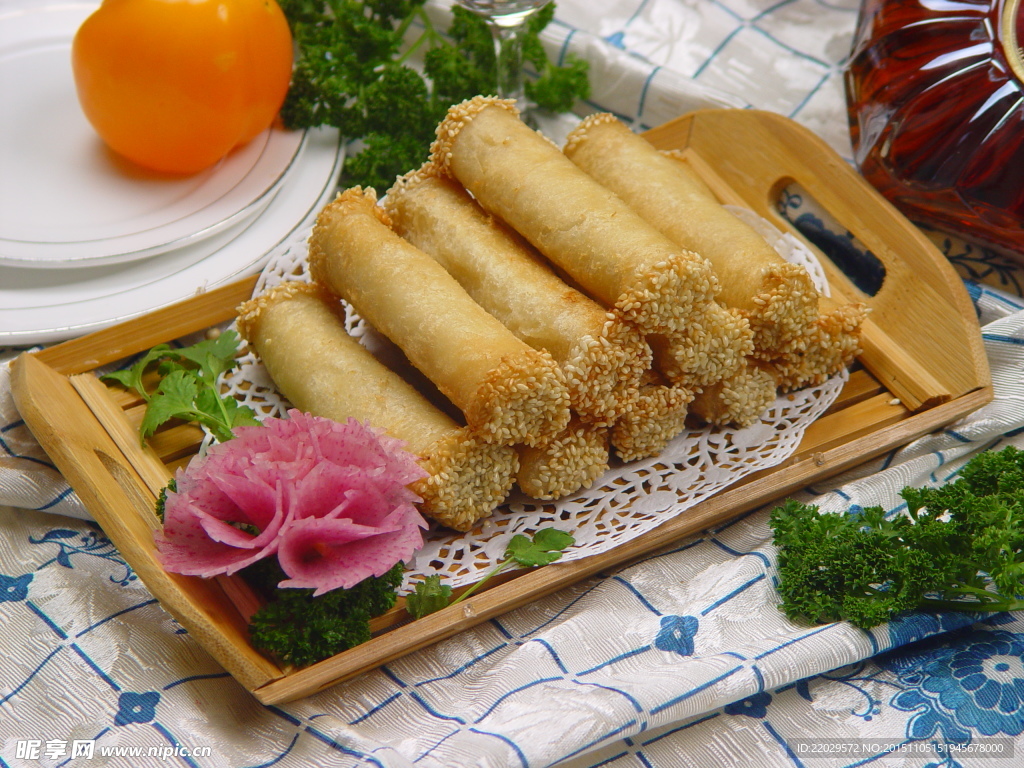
351, 72
301, 629
961, 547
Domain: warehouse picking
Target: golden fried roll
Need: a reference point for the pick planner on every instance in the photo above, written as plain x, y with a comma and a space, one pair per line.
656, 418
738, 401
777, 297
571, 461
509, 392
679, 204
832, 344
696, 358
602, 355
298, 332
520, 176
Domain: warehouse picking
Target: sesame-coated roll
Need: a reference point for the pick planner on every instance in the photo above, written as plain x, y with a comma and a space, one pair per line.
656, 418
739, 400
519, 176
833, 343
298, 332
778, 298
602, 355
696, 358
572, 460
509, 392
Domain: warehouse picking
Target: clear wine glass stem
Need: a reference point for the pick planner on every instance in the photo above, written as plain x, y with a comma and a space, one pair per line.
507, 20
508, 57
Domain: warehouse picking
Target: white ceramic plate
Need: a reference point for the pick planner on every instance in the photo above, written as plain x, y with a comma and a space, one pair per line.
66, 201
42, 306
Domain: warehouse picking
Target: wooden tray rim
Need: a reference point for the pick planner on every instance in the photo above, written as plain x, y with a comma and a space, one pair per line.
272, 684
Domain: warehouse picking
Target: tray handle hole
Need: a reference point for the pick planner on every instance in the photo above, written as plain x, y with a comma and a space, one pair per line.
812, 220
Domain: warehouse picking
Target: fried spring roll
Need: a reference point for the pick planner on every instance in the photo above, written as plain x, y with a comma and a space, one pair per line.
777, 297
832, 344
571, 461
298, 332
509, 392
696, 358
738, 401
602, 355
521, 177
656, 418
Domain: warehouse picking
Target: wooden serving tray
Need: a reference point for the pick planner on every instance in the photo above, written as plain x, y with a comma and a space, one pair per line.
923, 366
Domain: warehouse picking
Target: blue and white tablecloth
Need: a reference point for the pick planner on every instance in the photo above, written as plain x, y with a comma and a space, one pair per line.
682, 659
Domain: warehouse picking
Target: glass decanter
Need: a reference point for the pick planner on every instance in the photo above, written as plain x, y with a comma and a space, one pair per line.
935, 93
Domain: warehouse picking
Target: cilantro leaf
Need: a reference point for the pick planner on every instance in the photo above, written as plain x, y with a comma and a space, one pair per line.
173, 397
239, 415
544, 547
131, 378
221, 414
187, 388
212, 356
430, 595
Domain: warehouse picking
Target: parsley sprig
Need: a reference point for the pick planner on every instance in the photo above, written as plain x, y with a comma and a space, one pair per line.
187, 387
959, 548
301, 629
546, 546
353, 72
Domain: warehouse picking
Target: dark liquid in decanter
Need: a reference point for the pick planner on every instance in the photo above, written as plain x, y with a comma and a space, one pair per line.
935, 93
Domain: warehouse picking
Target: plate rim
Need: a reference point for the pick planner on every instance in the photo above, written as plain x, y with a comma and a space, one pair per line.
333, 147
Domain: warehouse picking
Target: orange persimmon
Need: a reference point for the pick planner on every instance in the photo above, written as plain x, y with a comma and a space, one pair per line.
175, 85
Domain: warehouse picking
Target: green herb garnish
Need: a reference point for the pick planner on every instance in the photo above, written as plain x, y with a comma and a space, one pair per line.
546, 546
961, 547
187, 388
351, 72
301, 629
430, 596
161, 499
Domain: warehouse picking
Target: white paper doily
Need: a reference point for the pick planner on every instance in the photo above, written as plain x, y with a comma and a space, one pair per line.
630, 498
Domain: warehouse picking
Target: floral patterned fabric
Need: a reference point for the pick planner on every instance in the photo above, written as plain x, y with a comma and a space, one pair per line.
682, 659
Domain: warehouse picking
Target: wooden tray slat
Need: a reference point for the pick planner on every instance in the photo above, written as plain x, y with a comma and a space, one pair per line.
177, 442
861, 386
120, 341
857, 419
142, 456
